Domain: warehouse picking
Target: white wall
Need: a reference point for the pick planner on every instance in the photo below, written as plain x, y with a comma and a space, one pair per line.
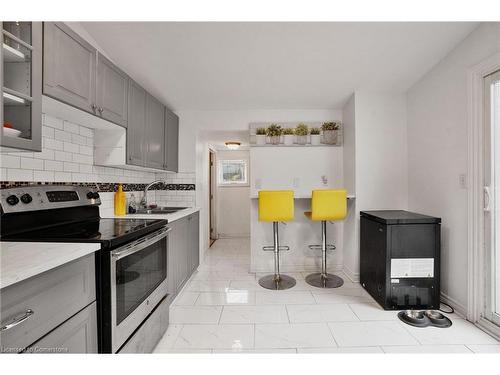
351, 235
233, 203
379, 140
193, 145
437, 152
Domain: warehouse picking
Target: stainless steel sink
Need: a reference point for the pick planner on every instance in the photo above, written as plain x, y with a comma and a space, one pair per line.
159, 210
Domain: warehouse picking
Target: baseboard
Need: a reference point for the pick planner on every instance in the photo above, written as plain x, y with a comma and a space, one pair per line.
459, 308
353, 276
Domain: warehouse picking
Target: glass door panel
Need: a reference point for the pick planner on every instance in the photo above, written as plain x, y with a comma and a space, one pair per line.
492, 196
18, 78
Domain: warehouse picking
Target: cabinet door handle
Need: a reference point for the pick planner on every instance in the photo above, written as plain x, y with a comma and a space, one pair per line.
93, 106
17, 320
100, 109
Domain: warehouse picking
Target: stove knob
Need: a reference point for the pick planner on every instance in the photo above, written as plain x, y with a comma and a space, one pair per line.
96, 195
90, 195
12, 200
26, 198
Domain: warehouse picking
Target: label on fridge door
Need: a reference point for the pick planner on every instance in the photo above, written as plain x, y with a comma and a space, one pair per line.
412, 267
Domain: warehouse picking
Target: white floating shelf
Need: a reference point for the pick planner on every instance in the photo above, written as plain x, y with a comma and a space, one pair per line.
12, 55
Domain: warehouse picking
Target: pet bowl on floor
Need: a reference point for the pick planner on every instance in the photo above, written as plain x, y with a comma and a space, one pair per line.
437, 319
414, 318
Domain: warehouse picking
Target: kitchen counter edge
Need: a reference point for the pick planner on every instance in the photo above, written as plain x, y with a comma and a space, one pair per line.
21, 260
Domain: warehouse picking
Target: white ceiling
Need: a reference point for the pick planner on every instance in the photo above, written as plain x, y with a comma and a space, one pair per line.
197, 66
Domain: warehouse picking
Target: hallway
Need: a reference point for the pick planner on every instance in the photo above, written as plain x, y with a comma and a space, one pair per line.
222, 309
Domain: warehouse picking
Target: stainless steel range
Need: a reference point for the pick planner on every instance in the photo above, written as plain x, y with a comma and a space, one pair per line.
131, 265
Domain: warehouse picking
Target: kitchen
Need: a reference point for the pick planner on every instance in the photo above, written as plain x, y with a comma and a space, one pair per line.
110, 241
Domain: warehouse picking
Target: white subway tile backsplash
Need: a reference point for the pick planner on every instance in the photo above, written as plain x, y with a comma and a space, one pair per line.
52, 165
63, 156
52, 144
61, 135
71, 167
67, 156
30, 163
44, 176
86, 132
53, 122
71, 128
79, 139
9, 161
62, 176
19, 175
47, 131
46, 154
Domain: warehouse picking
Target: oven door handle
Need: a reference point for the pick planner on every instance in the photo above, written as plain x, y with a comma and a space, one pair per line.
140, 244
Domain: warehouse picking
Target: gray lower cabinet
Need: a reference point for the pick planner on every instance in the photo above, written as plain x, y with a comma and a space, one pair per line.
136, 129
155, 133
69, 67
171, 141
112, 92
183, 251
76, 335
34, 307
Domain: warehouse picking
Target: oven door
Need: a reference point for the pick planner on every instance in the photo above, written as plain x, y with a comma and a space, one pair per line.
138, 283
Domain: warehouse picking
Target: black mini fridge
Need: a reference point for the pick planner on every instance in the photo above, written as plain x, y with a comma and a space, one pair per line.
400, 259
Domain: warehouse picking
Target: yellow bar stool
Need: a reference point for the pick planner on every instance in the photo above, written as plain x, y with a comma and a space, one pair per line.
276, 206
326, 205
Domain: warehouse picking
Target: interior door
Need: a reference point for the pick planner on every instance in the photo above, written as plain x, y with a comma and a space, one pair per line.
136, 130
492, 196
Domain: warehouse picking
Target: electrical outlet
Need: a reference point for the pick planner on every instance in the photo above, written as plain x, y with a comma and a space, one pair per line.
462, 181
324, 180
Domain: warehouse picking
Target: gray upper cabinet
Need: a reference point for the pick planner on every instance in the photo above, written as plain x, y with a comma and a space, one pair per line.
171, 141
155, 133
69, 67
136, 130
112, 92
21, 86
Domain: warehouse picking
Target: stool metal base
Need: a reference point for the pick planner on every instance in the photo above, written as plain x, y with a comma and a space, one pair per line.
275, 282
319, 281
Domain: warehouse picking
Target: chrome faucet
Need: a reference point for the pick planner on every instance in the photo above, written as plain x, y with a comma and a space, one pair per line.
144, 200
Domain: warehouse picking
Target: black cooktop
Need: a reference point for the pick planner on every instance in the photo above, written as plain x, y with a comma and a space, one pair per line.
108, 232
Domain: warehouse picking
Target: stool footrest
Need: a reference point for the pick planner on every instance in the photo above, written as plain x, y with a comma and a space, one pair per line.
319, 247
280, 248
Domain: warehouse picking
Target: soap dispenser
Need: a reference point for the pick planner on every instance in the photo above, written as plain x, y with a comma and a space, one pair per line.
120, 202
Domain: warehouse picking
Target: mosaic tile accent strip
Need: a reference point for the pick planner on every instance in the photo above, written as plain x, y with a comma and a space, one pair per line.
102, 186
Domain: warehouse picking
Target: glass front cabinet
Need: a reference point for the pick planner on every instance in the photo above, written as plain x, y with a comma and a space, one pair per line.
21, 86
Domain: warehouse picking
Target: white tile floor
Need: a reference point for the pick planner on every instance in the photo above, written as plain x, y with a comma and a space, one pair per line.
223, 309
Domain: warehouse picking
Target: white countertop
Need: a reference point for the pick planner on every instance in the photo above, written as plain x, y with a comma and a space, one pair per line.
169, 217
304, 196
22, 260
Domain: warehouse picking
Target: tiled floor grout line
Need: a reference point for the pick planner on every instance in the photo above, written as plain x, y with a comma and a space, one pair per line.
354, 312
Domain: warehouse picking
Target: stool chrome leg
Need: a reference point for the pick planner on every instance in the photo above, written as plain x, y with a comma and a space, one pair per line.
277, 281
324, 279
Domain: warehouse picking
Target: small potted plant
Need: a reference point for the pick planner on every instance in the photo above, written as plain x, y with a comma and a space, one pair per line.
274, 132
260, 136
288, 136
301, 131
315, 136
330, 132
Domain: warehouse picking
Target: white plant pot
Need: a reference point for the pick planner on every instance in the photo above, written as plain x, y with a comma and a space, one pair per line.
288, 139
330, 137
315, 139
260, 139
275, 139
302, 139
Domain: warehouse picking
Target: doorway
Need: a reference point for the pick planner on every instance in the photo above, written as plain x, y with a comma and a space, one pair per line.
492, 197
211, 200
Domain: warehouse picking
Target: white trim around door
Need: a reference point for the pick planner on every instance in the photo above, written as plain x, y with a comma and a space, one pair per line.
475, 197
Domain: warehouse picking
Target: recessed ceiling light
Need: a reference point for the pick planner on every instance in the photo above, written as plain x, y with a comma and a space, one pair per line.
232, 145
